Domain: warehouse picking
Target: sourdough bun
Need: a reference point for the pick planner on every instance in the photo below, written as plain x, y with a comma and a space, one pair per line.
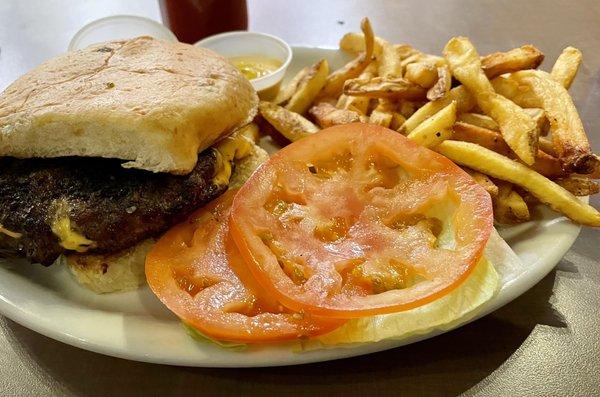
153, 103
124, 271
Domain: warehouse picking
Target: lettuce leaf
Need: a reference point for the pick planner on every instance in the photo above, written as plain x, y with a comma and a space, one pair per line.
499, 265
200, 337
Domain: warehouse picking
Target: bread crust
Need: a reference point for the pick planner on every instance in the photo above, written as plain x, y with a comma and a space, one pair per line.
153, 103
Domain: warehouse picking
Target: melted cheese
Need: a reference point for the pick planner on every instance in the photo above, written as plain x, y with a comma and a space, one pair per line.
68, 238
234, 147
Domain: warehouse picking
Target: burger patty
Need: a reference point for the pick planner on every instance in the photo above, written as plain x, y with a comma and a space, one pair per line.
113, 207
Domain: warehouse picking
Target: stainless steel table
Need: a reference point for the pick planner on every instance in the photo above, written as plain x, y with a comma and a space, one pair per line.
544, 343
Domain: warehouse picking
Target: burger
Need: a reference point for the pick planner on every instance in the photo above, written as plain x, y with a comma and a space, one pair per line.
104, 149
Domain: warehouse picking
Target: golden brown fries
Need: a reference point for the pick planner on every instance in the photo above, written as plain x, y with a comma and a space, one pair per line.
482, 136
289, 124
288, 90
541, 121
418, 56
397, 120
354, 43
390, 61
250, 131
479, 120
517, 128
442, 85
421, 73
547, 146
498, 166
327, 115
464, 103
525, 57
569, 138
435, 129
579, 185
509, 206
484, 181
566, 66
309, 87
358, 104
545, 164
335, 81
407, 108
379, 87
382, 114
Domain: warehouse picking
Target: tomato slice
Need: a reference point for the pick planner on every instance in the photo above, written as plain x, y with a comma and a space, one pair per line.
357, 220
196, 271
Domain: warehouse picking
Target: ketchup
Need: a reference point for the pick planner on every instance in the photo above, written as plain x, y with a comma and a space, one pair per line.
192, 20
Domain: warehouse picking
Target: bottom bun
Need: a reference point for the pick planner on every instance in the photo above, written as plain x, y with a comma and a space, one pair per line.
121, 271
124, 270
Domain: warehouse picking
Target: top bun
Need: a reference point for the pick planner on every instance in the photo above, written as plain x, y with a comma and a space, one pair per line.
154, 103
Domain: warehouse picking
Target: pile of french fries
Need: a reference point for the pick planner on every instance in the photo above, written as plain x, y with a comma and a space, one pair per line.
512, 127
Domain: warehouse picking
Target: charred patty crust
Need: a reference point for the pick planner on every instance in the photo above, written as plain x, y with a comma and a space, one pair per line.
113, 207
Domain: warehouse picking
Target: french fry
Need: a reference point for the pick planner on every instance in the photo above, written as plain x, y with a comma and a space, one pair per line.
500, 167
579, 185
541, 121
525, 57
479, 120
547, 146
354, 43
407, 108
421, 73
335, 81
390, 60
288, 90
516, 126
421, 57
464, 102
250, 131
289, 124
435, 129
566, 66
379, 87
382, 114
483, 180
309, 87
442, 85
358, 103
342, 101
509, 206
545, 164
569, 137
397, 120
481, 136
513, 90
527, 197
327, 115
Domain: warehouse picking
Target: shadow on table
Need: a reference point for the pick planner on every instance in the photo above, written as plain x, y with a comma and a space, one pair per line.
445, 365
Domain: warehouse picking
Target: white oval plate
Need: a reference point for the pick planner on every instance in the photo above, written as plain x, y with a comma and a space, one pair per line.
135, 325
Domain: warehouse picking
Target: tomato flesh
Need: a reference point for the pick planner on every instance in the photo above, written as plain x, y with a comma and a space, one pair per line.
197, 272
357, 220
